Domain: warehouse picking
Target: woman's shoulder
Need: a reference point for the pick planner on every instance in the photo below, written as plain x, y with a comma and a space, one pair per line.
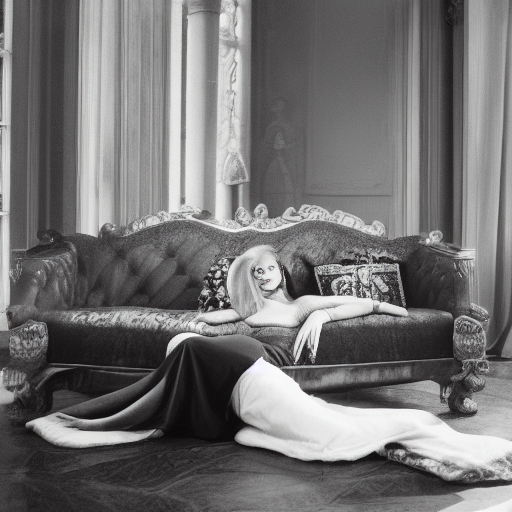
308, 299
306, 304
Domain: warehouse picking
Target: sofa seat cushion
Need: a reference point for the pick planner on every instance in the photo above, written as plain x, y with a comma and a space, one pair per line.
137, 337
424, 334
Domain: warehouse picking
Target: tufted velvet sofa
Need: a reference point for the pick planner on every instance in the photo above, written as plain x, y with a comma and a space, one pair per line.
111, 303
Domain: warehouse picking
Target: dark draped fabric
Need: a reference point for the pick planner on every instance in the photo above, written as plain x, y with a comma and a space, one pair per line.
199, 377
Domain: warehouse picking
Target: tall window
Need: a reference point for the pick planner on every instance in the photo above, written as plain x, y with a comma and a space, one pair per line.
6, 10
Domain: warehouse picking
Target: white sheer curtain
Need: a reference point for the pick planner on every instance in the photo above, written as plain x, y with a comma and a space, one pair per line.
126, 128
488, 190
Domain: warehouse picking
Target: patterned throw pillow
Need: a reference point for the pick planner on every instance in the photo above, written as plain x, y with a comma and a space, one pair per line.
215, 294
380, 281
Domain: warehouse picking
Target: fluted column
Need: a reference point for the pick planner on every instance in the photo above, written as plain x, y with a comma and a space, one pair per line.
201, 102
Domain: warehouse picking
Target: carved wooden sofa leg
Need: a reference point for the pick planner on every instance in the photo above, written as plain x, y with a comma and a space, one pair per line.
28, 345
469, 345
30, 400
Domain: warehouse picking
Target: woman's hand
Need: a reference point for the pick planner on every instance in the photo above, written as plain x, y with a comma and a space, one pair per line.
201, 317
310, 333
197, 324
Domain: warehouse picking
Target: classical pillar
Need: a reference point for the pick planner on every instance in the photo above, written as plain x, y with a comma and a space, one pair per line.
201, 102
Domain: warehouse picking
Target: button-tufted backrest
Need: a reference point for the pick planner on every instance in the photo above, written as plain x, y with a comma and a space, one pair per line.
164, 265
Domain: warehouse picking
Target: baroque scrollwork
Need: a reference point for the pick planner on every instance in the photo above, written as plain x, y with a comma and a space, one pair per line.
258, 219
469, 344
434, 237
28, 345
29, 341
185, 212
479, 314
468, 339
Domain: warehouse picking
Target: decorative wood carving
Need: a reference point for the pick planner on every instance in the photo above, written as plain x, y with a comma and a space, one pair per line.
453, 251
469, 345
15, 273
463, 261
28, 345
259, 219
147, 221
29, 342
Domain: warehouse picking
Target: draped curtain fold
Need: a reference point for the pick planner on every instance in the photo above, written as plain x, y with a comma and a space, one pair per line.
123, 113
489, 110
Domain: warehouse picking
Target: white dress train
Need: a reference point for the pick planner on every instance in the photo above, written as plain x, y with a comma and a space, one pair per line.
279, 416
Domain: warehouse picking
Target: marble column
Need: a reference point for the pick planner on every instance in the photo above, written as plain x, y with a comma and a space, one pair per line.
201, 102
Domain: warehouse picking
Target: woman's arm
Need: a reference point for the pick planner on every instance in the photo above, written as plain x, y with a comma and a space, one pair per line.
312, 327
221, 316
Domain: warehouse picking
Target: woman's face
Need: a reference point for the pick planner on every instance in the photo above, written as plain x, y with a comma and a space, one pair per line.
267, 273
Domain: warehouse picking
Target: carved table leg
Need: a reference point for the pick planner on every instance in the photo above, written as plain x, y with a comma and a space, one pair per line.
469, 346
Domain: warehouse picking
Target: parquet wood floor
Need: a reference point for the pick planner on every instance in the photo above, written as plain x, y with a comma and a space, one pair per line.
189, 475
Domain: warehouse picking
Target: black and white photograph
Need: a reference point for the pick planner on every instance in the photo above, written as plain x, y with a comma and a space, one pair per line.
255, 255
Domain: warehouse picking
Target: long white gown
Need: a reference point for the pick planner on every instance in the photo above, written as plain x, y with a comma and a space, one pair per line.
281, 417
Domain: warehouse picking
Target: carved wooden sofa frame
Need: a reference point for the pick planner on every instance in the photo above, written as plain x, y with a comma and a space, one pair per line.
47, 280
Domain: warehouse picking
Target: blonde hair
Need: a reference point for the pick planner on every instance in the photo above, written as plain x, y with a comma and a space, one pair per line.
246, 298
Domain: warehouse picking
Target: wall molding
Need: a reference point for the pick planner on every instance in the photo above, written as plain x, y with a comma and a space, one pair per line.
369, 187
399, 178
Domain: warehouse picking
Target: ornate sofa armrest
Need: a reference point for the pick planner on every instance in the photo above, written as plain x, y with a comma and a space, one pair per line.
46, 280
441, 276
